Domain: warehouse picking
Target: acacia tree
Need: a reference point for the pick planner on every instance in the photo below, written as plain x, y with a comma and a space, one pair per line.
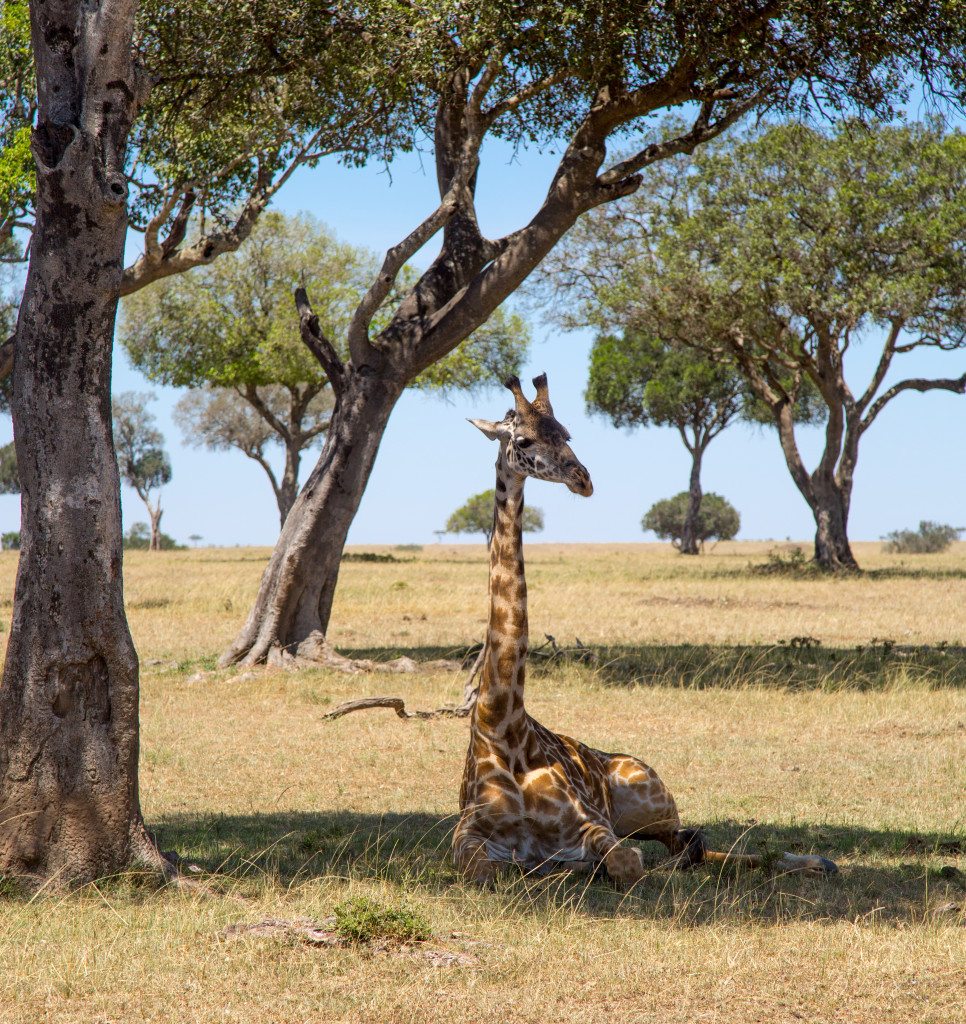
571, 76
800, 245
475, 515
228, 329
637, 380
144, 464
191, 118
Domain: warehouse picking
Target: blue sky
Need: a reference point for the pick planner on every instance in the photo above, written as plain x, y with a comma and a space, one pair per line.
911, 463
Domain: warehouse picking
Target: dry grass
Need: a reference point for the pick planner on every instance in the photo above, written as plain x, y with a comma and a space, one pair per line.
858, 754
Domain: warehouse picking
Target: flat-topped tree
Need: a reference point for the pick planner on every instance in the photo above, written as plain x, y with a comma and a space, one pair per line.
227, 331
576, 79
795, 247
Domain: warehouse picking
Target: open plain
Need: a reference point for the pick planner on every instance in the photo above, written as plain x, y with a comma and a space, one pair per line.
785, 710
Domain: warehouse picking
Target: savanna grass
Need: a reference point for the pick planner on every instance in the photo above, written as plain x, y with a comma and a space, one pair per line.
763, 701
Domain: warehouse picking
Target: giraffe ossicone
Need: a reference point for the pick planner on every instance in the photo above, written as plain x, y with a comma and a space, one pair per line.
530, 796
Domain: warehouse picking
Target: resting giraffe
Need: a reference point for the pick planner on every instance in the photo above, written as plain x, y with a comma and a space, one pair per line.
530, 796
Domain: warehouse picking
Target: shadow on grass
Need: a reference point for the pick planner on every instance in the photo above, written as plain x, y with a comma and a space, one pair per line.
801, 663
412, 851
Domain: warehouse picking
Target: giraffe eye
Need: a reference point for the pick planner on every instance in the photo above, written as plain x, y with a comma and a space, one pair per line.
523, 442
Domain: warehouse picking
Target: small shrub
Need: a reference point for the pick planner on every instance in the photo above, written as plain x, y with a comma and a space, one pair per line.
412, 548
929, 539
10, 541
138, 538
792, 562
369, 556
718, 519
362, 921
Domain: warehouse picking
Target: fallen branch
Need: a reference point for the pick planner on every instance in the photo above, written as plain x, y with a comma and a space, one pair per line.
398, 705
550, 650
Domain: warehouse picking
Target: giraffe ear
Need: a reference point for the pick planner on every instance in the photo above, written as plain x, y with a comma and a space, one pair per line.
494, 431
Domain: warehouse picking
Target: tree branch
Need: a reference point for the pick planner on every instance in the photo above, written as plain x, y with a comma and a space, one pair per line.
318, 344
393, 263
885, 360
957, 385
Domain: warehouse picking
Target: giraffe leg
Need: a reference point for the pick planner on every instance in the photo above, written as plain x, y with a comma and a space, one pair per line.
469, 852
623, 863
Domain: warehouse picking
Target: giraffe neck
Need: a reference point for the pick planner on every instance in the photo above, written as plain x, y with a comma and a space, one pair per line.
499, 707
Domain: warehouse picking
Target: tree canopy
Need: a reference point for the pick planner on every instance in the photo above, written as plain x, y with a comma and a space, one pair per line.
777, 252
476, 516
717, 519
231, 330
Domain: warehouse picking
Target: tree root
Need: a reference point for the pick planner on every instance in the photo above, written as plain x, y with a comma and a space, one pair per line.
314, 652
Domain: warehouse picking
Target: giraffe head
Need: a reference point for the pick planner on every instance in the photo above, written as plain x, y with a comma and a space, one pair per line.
534, 443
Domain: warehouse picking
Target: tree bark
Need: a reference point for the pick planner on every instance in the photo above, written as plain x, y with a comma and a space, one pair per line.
288, 489
294, 602
155, 515
830, 507
690, 544
69, 807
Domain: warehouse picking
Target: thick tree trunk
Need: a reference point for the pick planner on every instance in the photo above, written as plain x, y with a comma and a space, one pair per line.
831, 510
690, 544
69, 698
291, 612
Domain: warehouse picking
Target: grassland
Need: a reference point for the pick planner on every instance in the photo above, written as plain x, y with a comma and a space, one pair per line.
785, 712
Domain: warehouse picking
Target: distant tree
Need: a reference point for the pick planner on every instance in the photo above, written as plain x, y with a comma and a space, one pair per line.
637, 380
139, 537
783, 251
9, 477
249, 420
476, 516
196, 539
230, 332
143, 463
929, 539
10, 541
717, 519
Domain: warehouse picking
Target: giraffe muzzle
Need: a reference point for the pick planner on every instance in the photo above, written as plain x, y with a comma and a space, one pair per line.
580, 484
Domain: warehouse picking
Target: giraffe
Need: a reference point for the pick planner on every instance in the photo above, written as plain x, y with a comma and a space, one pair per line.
529, 795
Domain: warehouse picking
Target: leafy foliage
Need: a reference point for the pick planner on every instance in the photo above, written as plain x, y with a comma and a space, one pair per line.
637, 380
9, 476
717, 519
10, 541
929, 539
138, 538
476, 516
142, 461
362, 921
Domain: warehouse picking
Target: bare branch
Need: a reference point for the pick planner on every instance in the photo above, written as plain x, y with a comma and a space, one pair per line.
396, 258
318, 344
956, 385
165, 260
702, 130
527, 93
885, 360
254, 399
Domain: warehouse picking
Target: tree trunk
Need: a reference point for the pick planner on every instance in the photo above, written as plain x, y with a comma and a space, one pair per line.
69, 699
295, 597
289, 488
690, 544
155, 528
830, 507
